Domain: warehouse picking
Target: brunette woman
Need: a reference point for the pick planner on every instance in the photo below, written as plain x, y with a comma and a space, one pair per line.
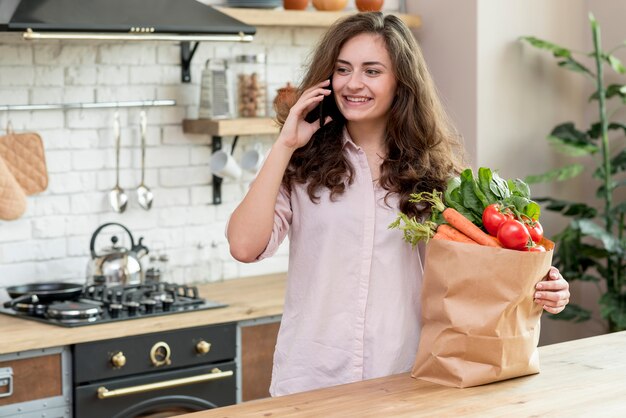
366, 131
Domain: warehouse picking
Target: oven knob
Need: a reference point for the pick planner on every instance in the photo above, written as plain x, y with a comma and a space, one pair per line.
115, 309
148, 305
132, 307
160, 354
202, 347
167, 303
118, 360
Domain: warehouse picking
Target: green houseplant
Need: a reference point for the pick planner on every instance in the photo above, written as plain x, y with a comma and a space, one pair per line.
592, 245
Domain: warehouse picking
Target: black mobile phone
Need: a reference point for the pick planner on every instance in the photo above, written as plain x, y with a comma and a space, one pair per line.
327, 107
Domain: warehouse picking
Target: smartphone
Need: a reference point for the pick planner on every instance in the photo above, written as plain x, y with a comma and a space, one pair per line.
327, 107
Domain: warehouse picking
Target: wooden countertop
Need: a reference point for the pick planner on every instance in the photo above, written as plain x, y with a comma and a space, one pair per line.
247, 298
584, 377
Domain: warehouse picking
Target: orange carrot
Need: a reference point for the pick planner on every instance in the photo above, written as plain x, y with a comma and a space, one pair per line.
441, 235
464, 225
454, 234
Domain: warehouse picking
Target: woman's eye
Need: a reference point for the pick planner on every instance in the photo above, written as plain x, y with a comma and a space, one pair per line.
372, 72
341, 70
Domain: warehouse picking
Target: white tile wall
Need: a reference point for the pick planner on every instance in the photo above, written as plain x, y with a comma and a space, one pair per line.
51, 241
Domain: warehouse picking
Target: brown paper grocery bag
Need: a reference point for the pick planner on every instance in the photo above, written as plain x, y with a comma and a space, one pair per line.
479, 321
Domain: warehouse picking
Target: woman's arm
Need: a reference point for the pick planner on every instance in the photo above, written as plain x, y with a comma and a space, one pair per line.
250, 226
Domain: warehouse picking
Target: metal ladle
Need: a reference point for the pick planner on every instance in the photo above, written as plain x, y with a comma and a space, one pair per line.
144, 194
117, 197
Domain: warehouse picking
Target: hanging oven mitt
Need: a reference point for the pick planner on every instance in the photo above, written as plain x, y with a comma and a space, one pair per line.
24, 156
12, 197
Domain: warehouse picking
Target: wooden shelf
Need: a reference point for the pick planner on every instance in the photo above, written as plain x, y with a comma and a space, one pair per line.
299, 18
228, 127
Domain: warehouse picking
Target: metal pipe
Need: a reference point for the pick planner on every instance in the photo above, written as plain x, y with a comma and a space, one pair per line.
101, 105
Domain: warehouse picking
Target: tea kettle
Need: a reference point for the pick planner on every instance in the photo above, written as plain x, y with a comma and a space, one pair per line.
115, 265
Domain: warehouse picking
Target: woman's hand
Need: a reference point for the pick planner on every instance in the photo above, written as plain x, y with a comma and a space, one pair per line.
552, 292
297, 132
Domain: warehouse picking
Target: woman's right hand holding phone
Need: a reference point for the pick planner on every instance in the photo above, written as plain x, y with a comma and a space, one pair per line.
296, 131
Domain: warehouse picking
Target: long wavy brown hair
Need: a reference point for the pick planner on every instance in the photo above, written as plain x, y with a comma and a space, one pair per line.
423, 152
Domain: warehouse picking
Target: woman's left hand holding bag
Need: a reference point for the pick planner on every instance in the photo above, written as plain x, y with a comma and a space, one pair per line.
552, 292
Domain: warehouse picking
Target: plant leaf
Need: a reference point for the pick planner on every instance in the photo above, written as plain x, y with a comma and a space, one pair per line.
566, 139
589, 228
574, 209
614, 185
611, 91
612, 308
573, 65
558, 174
615, 63
618, 164
557, 51
596, 129
618, 209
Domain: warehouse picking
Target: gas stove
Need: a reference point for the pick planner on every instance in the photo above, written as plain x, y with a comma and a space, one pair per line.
100, 304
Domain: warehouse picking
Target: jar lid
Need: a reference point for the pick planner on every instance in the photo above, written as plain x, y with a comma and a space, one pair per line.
251, 59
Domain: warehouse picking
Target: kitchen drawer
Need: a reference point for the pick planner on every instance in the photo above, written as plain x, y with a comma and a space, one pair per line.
96, 359
34, 382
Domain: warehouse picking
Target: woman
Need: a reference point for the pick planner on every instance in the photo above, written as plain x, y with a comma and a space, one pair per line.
335, 183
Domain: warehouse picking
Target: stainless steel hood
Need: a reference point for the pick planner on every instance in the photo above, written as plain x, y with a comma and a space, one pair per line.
174, 20
181, 21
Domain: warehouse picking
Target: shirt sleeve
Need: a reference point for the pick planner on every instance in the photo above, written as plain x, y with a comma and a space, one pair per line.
282, 221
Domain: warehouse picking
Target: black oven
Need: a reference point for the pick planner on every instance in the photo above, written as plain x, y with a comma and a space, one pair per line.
156, 375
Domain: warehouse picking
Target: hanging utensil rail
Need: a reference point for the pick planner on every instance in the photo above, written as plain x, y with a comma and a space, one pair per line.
101, 105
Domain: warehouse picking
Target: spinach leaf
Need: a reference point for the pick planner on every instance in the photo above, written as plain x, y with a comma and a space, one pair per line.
499, 187
468, 192
519, 188
485, 177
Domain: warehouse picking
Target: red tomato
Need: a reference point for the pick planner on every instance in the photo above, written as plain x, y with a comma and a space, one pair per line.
513, 235
534, 229
493, 217
536, 249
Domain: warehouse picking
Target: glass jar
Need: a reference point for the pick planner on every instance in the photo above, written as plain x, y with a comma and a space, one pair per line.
251, 86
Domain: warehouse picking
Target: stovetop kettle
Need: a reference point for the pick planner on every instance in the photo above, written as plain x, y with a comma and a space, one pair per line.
115, 265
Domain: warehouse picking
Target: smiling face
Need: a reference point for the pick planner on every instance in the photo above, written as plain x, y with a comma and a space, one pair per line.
364, 84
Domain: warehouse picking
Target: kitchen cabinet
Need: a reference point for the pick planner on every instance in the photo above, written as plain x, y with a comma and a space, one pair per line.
258, 340
35, 383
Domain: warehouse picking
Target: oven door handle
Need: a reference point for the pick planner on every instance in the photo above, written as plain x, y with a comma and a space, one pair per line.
104, 393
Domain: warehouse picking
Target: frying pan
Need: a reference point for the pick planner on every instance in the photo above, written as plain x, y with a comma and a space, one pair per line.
44, 292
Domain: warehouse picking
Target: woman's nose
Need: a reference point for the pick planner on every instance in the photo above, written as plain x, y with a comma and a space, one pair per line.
355, 82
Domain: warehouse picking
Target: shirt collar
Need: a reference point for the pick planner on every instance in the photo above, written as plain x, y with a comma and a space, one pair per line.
347, 139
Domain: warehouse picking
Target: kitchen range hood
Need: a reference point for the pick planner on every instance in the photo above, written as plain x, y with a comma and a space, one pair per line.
176, 20
183, 21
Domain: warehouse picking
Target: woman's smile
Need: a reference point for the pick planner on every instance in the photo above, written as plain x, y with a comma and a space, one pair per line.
356, 100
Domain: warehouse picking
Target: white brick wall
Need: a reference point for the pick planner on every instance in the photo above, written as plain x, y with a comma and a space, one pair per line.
51, 241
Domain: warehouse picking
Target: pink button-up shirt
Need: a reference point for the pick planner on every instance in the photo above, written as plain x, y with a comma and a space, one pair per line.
352, 307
